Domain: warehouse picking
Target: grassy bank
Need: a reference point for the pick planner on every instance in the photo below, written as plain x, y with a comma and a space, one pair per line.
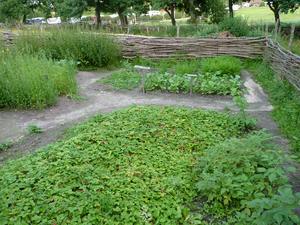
33, 82
284, 98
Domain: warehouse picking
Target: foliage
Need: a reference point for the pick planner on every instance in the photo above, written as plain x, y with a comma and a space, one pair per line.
88, 49
237, 26
133, 166
285, 100
239, 174
208, 83
33, 82
34, 129
284, 6
279, 209
226, 64
123, 80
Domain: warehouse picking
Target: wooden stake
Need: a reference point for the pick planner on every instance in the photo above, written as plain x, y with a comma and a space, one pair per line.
292, 36
178, 31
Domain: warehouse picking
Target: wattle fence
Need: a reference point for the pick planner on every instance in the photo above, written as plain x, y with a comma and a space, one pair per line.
157, 47
283, 62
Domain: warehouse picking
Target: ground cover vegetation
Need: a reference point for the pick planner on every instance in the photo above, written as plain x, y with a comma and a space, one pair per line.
28, 81
220, 75
285, 99
147, 165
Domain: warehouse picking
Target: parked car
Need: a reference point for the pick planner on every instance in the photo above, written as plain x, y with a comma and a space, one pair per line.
54, 20
37, 20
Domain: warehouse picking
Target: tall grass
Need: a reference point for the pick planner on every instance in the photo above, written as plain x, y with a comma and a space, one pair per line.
86, 48
33, 82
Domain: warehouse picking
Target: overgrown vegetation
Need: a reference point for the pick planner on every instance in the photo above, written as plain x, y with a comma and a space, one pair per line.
225, 64
33, 82
4, 146
134, 166
285, 100
242, 180
86, 48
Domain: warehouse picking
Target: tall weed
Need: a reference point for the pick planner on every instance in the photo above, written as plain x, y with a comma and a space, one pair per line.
86, 48
33, 82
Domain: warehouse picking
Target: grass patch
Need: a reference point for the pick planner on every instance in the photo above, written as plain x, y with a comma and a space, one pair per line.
284, 98
86, 48
34, 129
134, 166
34, 82
4, 146
123, 80
225, 64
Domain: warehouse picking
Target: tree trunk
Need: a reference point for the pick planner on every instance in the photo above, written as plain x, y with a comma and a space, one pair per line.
98, 14
192, 11
171, 13
274, 6
123, 18
24, 18
230, 5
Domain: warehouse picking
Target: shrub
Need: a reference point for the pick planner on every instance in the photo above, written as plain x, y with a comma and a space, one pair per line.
237, 26
133, 166
225, 64
235, 174
34, 82
86, 48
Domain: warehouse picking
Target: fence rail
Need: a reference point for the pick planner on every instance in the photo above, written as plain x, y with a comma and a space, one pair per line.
283, 62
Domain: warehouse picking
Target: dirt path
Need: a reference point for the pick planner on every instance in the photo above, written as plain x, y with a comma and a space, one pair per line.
99, 99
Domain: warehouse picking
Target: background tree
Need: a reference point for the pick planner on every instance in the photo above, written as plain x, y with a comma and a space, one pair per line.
285, 6
169, 6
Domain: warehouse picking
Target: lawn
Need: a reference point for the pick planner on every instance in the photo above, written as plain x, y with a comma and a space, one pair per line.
265, 15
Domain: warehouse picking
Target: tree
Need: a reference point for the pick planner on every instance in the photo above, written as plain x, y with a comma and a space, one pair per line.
169, 6
17, 10
285, 6
215, 9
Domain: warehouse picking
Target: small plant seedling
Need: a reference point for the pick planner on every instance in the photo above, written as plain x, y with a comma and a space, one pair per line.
5, 146
34, 129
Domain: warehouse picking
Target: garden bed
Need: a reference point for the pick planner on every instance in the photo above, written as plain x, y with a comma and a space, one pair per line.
218, 76
146, 165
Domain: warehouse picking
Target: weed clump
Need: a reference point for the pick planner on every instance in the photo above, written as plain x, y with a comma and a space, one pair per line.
86, 48
28, 81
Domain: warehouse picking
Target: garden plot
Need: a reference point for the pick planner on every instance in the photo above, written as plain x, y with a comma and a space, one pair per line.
147, 165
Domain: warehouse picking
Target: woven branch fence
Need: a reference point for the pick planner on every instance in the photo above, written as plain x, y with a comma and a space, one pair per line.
157, 48
283, 62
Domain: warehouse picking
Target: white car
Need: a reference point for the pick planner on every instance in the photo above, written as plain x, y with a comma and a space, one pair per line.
54, 20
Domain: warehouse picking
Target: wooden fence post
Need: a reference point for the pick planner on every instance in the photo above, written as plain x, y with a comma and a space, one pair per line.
267, 30
276, 29
292, 36
178, 31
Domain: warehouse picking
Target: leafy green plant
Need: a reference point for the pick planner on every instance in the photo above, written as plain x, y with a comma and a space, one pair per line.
278, 209
34, 82
123, 80
208, 83
133, 166
236, 175
34, 129
225, 64
86, 48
